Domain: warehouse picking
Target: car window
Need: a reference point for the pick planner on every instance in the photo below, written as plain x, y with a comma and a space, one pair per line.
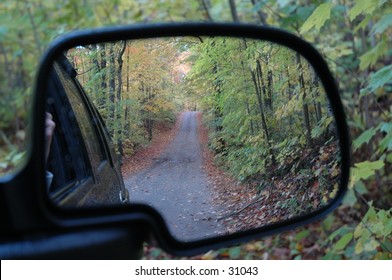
90, 136
76, 151
68, 160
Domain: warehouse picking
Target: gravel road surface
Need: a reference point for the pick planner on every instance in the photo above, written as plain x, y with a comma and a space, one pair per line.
176, 185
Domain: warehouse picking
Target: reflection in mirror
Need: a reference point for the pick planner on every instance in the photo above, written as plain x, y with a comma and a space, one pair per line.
218, 134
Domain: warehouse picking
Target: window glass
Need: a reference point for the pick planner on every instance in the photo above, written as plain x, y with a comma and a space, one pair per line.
68, 160
83, 118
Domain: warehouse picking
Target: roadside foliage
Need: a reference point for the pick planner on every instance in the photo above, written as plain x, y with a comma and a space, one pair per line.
354, 37
135, 85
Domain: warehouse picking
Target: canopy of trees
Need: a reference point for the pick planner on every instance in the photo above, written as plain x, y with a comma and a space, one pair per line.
268, 113
262, 100
133, 84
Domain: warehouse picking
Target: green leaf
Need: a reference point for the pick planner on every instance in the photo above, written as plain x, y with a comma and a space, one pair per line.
360, 187
378, 229
328, 222
317, 131
387, 246
365, 244
301, 235
358, 231
385, 126
386, 220
343, 242
371, 245
235, 252
386, 143
362, 7
370, 215
389, 158
383, 24
350, 199
338, 232
318, 18
363, 236
365, 137
371, 57
363, 23
365, 169
379, 79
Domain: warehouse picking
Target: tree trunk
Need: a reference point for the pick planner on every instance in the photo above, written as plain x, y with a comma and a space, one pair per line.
263, 119
267, 98
233, 11
97, 91
205, 4
119, 98
102, 69
270, 90
249, 114
314, 90
258, 93
261, 15
305, 107
217, 94
112, 88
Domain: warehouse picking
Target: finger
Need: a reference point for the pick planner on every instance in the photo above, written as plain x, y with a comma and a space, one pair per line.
49, 116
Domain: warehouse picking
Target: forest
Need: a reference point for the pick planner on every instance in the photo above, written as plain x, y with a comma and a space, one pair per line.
270, 125
133, 85
353, 36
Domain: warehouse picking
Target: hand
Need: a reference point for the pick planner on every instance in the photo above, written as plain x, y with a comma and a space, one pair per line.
49, 130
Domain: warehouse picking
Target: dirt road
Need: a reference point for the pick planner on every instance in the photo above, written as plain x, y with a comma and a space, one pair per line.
177, 186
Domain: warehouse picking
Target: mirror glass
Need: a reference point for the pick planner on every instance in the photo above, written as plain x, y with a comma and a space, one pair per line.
218, 134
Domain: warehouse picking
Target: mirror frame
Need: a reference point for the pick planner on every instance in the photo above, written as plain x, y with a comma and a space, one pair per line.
50, 216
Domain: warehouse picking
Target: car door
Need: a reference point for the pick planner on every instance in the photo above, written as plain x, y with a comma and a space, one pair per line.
82, 159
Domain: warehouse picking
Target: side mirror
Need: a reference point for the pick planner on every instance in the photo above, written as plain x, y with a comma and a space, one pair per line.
261, 144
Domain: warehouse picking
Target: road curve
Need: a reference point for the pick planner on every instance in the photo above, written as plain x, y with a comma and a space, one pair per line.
176, 185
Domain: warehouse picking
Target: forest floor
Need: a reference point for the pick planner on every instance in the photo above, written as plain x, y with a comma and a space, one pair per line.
144, 157
275, 195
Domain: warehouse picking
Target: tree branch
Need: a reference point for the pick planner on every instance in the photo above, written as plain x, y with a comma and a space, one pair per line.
34, 26
242, 209
205, 7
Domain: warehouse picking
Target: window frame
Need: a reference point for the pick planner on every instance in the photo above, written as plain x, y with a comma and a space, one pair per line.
85, 170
